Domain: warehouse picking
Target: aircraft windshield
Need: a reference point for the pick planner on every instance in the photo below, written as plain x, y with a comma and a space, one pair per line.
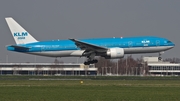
169, 42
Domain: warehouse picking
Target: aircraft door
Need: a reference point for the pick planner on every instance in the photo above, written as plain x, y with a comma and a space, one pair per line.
157, 42
130, 44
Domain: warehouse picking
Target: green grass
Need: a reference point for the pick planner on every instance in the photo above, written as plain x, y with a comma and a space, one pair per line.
91, 90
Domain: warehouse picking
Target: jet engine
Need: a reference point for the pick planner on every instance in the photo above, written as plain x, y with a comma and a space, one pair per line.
114, 53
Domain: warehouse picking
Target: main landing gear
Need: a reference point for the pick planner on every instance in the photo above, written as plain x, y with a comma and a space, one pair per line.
91, 59
90, 62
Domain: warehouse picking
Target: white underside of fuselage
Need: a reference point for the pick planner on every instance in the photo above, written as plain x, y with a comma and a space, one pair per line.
78, 53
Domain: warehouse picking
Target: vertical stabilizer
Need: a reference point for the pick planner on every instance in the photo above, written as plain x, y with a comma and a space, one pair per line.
20, 35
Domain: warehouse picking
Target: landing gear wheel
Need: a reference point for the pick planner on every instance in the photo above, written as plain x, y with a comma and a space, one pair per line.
86, 63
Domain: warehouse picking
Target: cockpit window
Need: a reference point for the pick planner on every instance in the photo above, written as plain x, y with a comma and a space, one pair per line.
169, 42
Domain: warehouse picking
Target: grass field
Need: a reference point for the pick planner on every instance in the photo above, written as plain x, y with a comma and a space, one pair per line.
28, 88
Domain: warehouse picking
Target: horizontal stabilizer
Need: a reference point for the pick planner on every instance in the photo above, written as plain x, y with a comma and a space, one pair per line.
22, 48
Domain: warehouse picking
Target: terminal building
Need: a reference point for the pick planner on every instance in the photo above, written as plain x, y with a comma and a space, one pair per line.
160, 68
47, 69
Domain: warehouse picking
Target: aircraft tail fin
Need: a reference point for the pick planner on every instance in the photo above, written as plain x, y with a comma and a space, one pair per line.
20, 35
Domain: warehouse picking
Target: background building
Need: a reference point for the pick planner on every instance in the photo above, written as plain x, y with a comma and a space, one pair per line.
160, 68
47, 69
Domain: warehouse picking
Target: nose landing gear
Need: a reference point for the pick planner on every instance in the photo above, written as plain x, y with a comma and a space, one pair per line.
160, 58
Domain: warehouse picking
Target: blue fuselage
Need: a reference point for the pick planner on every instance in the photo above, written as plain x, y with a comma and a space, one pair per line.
130, 45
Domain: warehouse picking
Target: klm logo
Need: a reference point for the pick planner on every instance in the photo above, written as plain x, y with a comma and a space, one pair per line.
21, 35
145, 41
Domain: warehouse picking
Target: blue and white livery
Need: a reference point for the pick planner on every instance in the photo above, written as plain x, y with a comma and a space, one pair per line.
110, 48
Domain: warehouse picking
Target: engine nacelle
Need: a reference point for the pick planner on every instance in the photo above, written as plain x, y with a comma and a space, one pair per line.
114, 53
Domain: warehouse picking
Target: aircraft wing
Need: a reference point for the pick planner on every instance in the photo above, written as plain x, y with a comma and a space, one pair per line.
88, 46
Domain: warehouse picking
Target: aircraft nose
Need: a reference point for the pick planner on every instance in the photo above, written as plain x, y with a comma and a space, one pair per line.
171, 46
170, 43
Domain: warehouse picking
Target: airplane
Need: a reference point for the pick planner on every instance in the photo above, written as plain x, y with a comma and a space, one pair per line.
109, 48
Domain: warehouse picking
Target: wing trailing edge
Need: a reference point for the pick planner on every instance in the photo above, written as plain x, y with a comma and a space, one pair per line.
88, 46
